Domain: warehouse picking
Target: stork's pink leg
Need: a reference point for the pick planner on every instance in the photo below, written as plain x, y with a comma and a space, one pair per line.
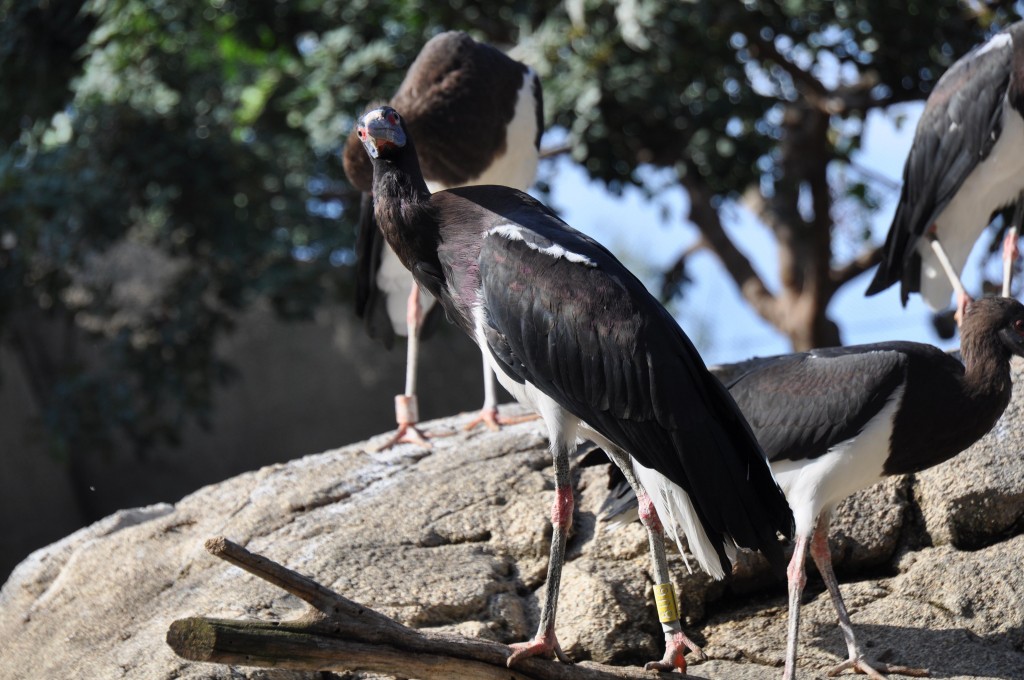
676, 641
406, 406
856, 661
488, 415
544, 643
962, 298
1010, 255
962, 301
797, 578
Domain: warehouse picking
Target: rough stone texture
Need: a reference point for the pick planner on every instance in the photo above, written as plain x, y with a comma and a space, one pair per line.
979, 494
457, 538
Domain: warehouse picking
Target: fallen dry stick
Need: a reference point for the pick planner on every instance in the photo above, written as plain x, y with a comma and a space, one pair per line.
337, 634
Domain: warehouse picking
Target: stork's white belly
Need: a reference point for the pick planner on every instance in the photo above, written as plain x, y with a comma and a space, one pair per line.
995, 183
820, 484
396, 282
517, 166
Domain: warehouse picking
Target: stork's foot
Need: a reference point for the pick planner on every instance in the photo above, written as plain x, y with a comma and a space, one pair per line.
493, 421
876, 669
407, 414
542, 646
676, 645
408, 433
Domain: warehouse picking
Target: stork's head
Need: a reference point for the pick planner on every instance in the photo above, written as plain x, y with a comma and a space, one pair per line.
382, 132
1012, 327
996, 317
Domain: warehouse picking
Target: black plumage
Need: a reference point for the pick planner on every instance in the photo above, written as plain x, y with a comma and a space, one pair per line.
576, 335
965, 164
833, 421
479, 117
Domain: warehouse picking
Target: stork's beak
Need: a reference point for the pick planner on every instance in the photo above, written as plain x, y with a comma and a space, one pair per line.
380, 129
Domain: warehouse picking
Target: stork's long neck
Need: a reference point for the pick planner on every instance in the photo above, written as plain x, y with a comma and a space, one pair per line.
986, 364
401, 203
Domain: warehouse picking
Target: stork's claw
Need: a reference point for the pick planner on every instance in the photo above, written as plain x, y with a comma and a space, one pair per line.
676, 645
407, 433
407, 414
859, 665
542, 646
490, 418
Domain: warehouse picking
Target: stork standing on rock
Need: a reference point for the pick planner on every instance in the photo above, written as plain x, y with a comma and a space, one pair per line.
479, 116
834, 421
966, 162
572, 333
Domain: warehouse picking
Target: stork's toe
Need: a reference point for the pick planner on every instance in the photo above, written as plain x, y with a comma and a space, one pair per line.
876, 670
543, 646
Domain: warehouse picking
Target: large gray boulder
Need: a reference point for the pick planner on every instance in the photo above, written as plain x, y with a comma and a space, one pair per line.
456, 538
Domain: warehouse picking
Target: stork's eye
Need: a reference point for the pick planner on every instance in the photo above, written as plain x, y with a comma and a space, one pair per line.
392, 117
361, 132
1018, 326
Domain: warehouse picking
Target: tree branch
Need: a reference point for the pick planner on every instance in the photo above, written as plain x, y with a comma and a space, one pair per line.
337, 634
854, 268
842, 100
706, 217
557, 150
815, 91
887, 182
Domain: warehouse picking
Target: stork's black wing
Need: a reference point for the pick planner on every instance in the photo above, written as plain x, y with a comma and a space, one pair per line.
801, 405
371, 306
563, 314
958, 128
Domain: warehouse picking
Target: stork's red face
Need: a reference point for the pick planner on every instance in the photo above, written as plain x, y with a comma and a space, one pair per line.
381, 130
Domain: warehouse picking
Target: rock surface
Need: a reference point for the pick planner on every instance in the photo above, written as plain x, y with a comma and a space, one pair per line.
457, 538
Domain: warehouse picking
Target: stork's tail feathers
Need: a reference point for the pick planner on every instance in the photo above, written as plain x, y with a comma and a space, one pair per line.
882, 280
678, 515
741, 504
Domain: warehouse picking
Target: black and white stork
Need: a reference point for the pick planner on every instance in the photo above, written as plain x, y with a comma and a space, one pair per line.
478, 116
837, 420
572, 333
966, 163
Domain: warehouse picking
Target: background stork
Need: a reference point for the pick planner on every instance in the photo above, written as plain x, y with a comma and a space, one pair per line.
479, 116
834, 421
966, 162
572, 333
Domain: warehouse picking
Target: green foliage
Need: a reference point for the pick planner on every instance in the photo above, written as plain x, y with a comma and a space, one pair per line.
169, 130
685, 84
208, 133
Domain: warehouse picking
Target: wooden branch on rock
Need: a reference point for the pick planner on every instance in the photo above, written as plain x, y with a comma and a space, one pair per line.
337, 634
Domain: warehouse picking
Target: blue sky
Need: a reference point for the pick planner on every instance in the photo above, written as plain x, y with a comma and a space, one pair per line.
712, 313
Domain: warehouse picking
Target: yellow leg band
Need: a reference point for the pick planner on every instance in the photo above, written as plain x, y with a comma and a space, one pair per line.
665, 599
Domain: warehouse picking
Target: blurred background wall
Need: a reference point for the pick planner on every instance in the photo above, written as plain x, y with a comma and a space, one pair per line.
304, 387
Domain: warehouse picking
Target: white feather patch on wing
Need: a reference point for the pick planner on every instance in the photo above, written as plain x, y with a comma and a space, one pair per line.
515, 233
996, 41
677, 512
